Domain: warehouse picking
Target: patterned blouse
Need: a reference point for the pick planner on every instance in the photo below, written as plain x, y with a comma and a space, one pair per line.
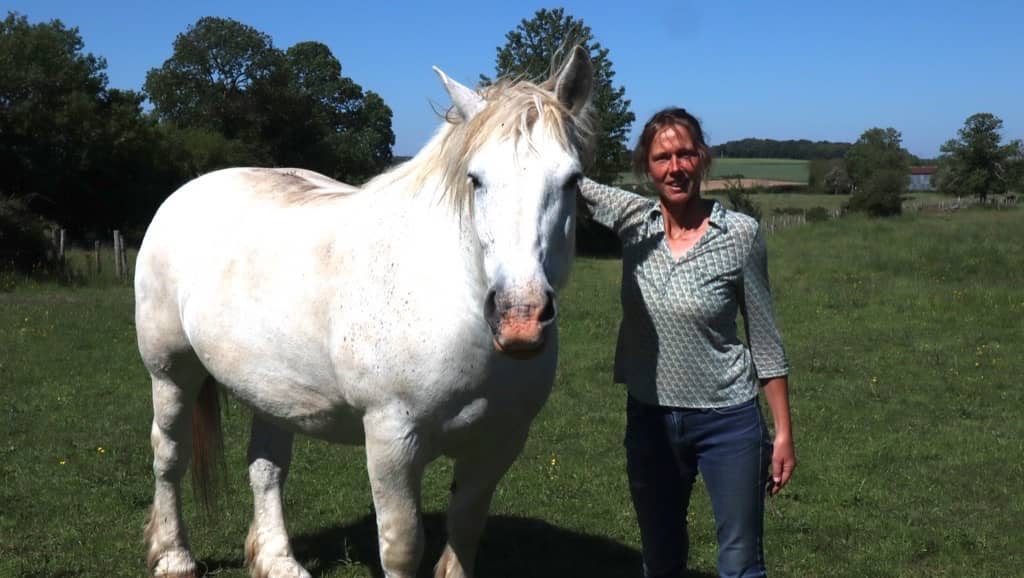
678, 342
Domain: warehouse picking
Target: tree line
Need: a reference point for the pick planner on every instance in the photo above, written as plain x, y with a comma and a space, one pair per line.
764, 148
875, 170
90, 158
77, 153
81, 155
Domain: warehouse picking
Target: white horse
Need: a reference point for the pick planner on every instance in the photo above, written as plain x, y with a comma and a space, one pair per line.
415, 315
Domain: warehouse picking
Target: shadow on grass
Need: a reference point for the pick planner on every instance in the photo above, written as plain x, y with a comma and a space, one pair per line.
510, 547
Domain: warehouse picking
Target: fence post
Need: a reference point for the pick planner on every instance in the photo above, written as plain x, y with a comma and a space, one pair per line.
125, 274
117, 253
63, 240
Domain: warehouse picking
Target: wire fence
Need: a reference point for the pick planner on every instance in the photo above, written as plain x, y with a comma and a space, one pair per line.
777, 222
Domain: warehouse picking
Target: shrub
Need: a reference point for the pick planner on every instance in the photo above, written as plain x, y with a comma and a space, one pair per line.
817, 214
836, 181
787, 211
740, 201
25, 244
881, 195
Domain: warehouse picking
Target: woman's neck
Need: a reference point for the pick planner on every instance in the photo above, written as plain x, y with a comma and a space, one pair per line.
685, 218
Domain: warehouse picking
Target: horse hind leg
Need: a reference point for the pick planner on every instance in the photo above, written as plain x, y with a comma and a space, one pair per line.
166, 538
268, 553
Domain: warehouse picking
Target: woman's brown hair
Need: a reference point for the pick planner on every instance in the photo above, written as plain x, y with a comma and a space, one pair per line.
665, 118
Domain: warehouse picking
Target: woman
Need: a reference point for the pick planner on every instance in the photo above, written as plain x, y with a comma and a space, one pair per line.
688, 266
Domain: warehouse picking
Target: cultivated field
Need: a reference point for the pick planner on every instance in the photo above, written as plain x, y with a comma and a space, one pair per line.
751, 172
905, 339
787, 170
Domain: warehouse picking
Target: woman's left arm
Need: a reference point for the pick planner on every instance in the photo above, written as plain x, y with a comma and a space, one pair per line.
776, 392
769, 357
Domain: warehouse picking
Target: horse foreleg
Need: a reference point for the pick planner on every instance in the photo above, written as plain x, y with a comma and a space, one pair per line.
476, 476
395, 463
166, 539
268, 553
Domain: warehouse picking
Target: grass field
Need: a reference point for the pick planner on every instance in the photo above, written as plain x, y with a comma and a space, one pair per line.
905, 339
788, 170
770, 169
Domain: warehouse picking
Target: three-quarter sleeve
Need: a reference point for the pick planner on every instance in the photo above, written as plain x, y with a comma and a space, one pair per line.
614, 208
763, 335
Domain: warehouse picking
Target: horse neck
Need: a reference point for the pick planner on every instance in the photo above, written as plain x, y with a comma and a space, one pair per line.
414, 192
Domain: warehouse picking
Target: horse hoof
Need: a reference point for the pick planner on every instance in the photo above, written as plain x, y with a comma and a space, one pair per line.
279, 568
176, 564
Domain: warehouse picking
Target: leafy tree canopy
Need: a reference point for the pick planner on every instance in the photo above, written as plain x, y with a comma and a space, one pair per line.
877, 149
781, 149
270, 106
976, 164
529, 52
82, 154
878, 170
206, 81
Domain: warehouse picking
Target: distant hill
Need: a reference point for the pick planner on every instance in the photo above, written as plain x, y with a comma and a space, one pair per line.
761, 148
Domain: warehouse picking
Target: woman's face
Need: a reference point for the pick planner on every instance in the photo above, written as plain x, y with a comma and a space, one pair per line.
674, 165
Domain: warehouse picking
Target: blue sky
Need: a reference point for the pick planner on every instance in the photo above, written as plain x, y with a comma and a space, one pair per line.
819, 70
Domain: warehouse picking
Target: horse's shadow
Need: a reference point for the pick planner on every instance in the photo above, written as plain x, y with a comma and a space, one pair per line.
510, 547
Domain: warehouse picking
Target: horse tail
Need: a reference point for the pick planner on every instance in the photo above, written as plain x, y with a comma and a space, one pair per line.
207, 444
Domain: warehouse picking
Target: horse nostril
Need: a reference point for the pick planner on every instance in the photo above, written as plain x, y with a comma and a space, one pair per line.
550, 309
491, 309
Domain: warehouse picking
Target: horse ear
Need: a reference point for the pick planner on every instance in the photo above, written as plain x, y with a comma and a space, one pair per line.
464, 99
575, 81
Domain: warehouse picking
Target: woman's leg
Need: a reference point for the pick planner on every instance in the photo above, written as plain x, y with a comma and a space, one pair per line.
660, 491
734, 458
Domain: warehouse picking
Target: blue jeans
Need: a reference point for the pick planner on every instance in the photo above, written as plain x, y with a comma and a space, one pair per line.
665, 449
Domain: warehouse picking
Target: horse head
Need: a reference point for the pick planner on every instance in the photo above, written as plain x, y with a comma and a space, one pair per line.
520, 165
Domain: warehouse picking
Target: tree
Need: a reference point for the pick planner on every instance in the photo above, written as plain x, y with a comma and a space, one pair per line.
207, 81
355, 125
975, 164
741, 201
1016, 164
79, 153
529, 52
878, 168
784, 149
822, 175
837, 182
285, 108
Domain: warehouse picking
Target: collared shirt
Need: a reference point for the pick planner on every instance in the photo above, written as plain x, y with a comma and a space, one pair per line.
678, 342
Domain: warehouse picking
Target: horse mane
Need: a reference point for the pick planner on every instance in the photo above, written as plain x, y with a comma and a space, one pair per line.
514, 107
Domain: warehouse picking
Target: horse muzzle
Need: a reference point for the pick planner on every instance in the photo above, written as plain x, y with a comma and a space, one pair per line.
518, 319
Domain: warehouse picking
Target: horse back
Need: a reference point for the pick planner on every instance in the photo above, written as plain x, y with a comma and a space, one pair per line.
308, 302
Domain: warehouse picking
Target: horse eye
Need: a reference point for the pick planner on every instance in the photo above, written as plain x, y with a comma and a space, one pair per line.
474, 180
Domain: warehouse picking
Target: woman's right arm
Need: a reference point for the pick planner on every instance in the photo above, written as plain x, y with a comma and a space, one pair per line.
612, 207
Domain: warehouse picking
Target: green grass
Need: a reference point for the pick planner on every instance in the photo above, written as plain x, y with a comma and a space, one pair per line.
772, 169
79, 268
768, 202
905, 338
